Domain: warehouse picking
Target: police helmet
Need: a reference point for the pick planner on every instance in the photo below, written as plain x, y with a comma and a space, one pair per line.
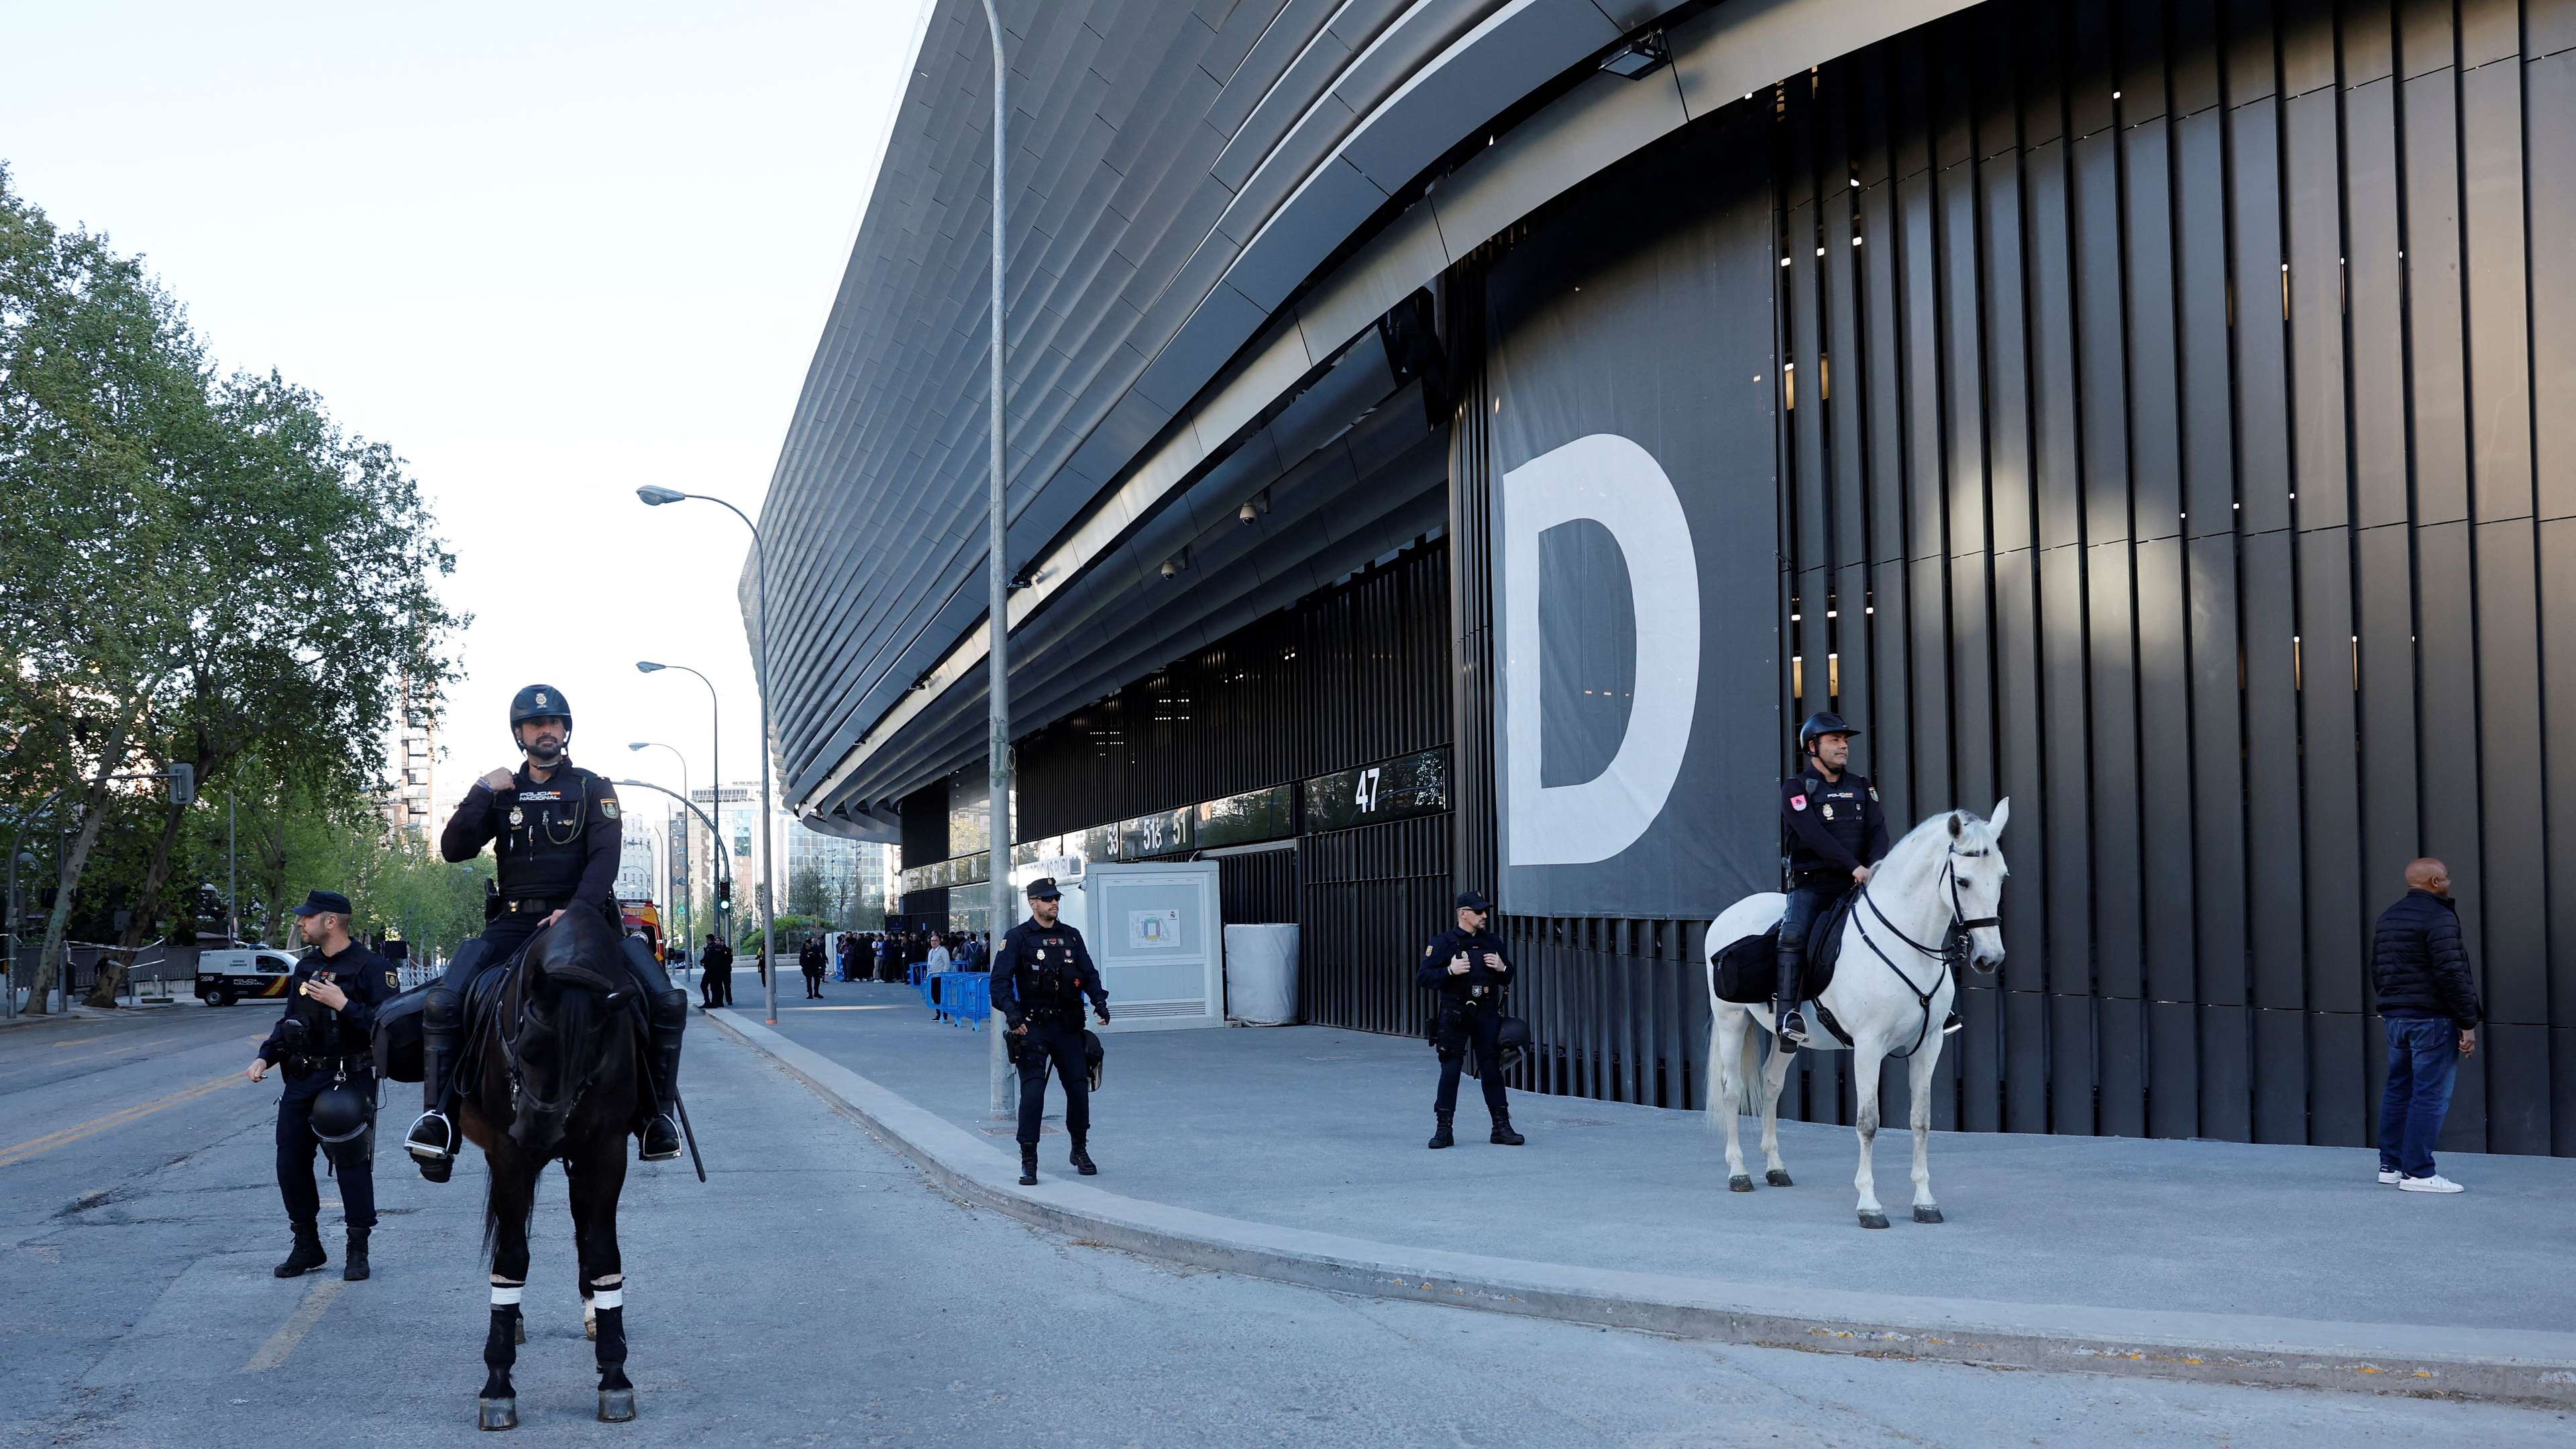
1822, 722
1512, 1040
538, 701
339, 1114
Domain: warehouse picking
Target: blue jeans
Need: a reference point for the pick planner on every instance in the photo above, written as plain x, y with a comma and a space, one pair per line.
2423, 1062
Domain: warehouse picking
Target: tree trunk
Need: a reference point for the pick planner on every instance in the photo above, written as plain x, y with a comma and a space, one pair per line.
58, 924
111, 972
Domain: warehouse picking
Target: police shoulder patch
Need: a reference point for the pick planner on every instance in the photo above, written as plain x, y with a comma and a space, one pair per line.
1797, 802
608, 809
392, 981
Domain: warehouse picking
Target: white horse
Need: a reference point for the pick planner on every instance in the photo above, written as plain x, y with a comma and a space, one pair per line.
1892, 986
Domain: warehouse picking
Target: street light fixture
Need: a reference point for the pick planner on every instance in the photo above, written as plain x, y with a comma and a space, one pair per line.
715, 788
655, 497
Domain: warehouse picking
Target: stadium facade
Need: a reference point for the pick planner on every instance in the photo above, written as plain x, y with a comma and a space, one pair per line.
1453, 441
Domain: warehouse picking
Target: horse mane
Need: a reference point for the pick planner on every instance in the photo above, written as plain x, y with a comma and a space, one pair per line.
1922, 849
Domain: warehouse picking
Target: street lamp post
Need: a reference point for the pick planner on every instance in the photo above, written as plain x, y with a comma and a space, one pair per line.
715, 787
686, 925
998, 571
655, 497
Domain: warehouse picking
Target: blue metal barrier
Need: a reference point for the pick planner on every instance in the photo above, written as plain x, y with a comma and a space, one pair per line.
959, 998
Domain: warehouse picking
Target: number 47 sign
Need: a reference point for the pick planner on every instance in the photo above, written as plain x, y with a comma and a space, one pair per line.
1366, 797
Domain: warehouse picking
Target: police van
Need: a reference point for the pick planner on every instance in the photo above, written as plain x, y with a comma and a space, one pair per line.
224, 977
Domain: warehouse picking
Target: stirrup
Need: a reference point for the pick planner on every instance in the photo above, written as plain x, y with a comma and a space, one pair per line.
644, 1140
1791, 1027
427, 1152
1952, 1024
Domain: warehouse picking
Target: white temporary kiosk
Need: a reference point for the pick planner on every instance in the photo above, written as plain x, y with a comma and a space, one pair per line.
1156, 931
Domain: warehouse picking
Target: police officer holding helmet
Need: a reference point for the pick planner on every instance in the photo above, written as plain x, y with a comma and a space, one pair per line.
1830, 817
555, 828
1039, 980
325, 1046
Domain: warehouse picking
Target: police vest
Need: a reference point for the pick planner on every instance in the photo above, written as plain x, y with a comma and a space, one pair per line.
540, 841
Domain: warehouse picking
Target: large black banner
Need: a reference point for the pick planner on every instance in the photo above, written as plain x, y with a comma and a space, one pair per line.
1635, 539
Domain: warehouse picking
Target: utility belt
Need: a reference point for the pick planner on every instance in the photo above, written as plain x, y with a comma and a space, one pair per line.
355, 1064
537, 906
1056, 1014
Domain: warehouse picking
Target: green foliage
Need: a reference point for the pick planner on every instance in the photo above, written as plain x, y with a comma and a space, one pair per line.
792, 931
194, 569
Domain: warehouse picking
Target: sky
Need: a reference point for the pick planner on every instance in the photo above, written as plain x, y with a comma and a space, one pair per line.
548, 253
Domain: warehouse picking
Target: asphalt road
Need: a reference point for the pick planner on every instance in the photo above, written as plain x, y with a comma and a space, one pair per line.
816, 1292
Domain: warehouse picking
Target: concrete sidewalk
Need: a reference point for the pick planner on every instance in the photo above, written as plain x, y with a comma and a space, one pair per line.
2291, 1260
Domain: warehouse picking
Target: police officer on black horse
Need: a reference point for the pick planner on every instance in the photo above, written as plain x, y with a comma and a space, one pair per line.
325, 1046
1040, 977
556, 831
1835, 831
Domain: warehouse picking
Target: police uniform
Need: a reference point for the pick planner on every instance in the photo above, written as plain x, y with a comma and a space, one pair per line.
316, 1049
557, 844
1039, 981
1468, 1017
1833, 828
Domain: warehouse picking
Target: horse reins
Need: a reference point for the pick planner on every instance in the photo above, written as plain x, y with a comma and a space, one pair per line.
1952, 952
510, 1051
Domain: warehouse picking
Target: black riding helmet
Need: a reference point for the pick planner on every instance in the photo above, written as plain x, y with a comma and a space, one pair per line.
339, 1114
1822, 722
538, 701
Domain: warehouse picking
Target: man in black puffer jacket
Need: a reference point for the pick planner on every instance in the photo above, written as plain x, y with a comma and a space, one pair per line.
2430, 1002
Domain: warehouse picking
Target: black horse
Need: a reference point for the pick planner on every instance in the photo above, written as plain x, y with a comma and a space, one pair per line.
553, 1070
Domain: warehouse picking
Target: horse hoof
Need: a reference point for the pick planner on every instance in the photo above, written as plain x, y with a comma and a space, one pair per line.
1741, 1182
1778, 1177
497, 1413
1927, 1215
1873, 1220
616, 1406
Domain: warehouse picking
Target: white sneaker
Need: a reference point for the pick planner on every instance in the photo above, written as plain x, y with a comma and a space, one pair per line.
2389, 1179
2436, 1183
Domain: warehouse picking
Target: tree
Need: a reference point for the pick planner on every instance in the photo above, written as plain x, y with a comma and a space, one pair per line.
806, 893
191, 568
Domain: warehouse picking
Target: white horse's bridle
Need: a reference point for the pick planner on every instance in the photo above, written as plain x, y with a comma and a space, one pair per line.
1953, 950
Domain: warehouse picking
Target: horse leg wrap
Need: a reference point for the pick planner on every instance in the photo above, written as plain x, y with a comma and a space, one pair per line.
612, 1345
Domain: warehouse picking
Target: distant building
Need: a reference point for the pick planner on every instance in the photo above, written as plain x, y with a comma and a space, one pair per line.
410, 807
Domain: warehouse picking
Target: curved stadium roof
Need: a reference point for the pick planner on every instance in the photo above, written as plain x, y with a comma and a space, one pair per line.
1212, 204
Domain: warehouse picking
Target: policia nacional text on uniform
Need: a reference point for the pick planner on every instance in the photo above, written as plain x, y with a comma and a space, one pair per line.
324, 1045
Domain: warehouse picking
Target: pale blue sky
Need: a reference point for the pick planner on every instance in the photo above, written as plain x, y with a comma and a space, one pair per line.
547, 251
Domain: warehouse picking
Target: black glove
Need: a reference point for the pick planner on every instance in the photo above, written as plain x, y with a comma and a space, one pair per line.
1104, 1014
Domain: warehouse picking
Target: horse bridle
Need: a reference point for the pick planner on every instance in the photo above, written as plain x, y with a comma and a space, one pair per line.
1955, 950
519, 1092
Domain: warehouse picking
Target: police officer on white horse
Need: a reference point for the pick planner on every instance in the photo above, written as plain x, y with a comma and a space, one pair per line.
1835, 831
555, 828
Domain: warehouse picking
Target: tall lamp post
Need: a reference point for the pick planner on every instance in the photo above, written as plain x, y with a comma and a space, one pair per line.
655, 497
686, 925
998, 620
715, 787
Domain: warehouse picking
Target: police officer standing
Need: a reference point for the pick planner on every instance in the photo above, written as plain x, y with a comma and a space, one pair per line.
1835, 831
325, 1044
1039, 980
1465, 964
715, 966
555, 828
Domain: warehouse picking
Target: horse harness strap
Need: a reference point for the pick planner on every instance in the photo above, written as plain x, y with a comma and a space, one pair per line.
1952, 949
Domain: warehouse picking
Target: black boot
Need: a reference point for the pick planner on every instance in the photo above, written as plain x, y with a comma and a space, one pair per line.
669, 1017
1440, 1135
432, 1139
1028, 1164
1504, 1136
1951, 1023
1081, 1159
306, 1255
354, 1266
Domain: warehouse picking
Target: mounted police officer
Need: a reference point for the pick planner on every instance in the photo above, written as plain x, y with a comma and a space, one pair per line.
1466, 965
1039, 980
324, 1045
1835, 831
556, 831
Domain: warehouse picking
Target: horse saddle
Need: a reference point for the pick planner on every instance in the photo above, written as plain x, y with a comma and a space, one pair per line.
1749, 969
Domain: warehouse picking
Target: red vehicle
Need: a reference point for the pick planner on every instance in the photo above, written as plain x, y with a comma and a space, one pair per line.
646, 917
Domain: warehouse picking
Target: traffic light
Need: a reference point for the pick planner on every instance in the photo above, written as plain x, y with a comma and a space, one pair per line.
724, 892
183, 784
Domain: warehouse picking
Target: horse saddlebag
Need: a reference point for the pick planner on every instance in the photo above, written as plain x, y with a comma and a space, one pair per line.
398, 1035
1749, 969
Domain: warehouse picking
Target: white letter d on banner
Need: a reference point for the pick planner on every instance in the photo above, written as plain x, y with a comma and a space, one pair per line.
1617, 484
